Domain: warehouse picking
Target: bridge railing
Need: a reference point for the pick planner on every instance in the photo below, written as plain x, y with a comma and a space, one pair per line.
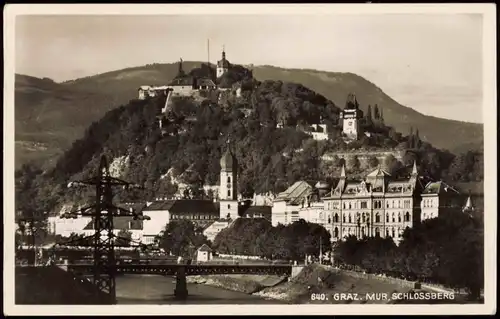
166, 270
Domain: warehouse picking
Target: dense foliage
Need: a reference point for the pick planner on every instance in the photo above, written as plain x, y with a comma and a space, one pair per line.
257, 237
441, 250
181, 238
195, 135
123, 238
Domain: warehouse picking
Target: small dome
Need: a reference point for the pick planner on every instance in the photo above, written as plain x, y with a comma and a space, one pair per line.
322, 185
228, 162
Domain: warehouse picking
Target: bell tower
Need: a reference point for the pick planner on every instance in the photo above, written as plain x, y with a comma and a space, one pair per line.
228, 188
222, 65
350, 117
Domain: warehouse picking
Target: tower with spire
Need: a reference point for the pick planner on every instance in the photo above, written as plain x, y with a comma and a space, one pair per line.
350, 117
223, 65
468, 207
228, 188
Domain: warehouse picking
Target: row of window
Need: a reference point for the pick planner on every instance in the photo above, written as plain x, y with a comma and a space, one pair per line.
362, 217
194, 216
364, 204
363, 232
428, 203
365, 217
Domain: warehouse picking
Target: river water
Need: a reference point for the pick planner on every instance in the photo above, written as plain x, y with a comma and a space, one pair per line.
154, 289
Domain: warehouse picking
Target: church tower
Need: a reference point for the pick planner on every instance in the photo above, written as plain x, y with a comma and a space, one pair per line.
228, 188
222, 65
350, 117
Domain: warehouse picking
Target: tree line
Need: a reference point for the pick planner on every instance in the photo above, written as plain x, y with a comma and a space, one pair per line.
270, 159
257, 237
442, 250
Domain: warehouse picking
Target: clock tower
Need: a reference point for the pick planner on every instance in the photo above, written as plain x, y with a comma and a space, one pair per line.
350, 117
228, 188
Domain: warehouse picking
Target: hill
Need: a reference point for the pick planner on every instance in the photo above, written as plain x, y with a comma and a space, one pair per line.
453, 135
51, 113
195, 133
49, 116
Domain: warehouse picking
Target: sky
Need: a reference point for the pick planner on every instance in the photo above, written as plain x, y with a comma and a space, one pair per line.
429, 62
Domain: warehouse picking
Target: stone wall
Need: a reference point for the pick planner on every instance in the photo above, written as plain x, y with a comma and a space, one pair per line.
363, 156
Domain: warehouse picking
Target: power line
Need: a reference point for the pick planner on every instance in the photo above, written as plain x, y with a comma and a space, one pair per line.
102, 213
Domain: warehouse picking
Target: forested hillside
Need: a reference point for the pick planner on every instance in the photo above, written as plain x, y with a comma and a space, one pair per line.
270, 159
51, 113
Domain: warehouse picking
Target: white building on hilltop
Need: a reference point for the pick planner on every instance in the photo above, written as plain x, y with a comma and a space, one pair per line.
223, 65
350, 117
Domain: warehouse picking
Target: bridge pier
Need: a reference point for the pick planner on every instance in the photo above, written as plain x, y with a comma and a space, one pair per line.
181, 291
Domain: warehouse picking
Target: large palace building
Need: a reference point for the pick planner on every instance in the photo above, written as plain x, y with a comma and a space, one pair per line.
378, 205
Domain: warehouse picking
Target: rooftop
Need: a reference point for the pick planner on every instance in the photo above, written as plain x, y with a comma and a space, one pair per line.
120, 223
185, 206
296, 192
204, 247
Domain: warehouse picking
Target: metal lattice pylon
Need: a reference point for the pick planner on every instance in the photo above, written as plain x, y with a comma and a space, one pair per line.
102, 212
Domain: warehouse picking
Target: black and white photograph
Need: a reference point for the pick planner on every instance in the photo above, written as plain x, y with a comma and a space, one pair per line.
285, 156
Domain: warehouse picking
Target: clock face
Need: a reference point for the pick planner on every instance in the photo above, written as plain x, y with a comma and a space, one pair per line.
349, 123
228, 185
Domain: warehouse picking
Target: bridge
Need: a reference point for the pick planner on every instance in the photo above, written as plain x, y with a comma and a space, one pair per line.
180, 271
190, 270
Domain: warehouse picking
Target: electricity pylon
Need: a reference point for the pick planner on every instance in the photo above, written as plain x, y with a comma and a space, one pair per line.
102, 213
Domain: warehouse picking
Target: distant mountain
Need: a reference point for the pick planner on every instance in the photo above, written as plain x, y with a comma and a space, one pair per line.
453, 135
50, 116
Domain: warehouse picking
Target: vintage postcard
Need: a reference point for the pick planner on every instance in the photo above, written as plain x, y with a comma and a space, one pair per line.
308, 159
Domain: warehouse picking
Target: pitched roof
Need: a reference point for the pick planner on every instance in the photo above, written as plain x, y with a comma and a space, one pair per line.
296, 192
185, 206
182, 81
160, 205
204, 247
205, 82
121, 223
439, 187
378, 173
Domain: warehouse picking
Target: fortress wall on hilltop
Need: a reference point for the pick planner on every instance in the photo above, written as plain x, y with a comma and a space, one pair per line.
363, 156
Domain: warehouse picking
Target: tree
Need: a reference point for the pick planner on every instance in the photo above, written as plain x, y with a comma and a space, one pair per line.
293, 241
373, 161
181, 238
409, 158
124, 238
353, 162
376, 112
368, 116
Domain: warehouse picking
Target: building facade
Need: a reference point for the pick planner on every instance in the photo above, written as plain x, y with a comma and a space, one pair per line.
350, 117
438, 198
377, 206
223, 65
228, 186
287, 204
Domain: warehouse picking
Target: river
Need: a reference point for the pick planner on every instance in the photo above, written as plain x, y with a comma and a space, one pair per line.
157, 290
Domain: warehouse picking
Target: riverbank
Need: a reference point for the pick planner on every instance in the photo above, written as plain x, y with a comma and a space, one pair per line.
324, 282
248, 284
